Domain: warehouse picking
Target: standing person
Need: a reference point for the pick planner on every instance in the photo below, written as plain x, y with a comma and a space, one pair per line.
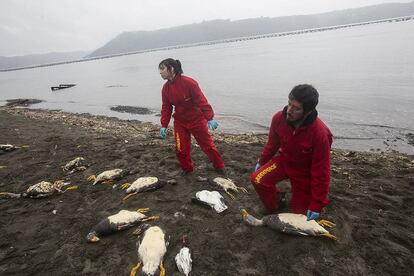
193, 115
298, 149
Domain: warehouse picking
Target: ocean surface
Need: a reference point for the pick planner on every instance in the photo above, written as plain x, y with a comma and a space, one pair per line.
364, 74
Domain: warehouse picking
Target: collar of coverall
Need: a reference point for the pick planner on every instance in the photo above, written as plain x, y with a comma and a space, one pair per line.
308, 120
174, 79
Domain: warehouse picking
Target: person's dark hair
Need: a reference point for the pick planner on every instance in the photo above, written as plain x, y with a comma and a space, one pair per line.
307, 95
172, 63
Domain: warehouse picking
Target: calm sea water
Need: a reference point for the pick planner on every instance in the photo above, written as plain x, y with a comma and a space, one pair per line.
365, 77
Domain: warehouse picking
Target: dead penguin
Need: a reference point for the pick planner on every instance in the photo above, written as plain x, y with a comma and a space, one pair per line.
77, 164
289, 223
41, 189
183, 258
212, 199
7, 147
108, 176
143, 184
225, 183
151, 250
122, 220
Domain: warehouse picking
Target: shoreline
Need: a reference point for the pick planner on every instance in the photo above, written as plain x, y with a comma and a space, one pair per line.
86, 120
117, 126
371, 202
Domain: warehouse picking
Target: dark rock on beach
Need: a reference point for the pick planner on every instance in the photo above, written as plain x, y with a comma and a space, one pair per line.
132, 109
410, 137
22, 102
371, 195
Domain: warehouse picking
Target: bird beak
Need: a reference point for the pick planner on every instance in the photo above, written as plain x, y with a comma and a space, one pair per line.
91, 237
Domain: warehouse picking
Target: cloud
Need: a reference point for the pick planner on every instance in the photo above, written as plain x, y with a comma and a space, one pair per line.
40, 26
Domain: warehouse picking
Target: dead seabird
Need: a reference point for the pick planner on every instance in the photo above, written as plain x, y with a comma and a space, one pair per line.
151, 250
143, 184
41, 189
122, 220
295, 224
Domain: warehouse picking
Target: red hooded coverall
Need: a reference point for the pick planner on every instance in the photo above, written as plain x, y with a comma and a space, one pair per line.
301, 155
192, 111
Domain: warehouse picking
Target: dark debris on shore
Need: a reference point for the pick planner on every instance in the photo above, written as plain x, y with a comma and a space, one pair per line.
22, 102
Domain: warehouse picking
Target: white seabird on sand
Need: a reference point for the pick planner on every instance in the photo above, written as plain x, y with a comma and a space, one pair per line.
225, 183
151, 250
295, 224
213, 199
122, 220
183, 259
143, 184
107, 176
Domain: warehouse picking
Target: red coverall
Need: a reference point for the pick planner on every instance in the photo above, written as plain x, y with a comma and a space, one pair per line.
192, 111
301, 155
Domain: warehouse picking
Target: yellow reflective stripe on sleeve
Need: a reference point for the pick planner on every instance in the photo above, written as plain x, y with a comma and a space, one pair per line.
260, 175
177, 142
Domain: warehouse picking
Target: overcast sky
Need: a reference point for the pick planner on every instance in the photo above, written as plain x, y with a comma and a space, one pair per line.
42, 26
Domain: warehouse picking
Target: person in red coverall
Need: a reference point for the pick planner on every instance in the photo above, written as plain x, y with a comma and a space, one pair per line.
298, 149
193, 115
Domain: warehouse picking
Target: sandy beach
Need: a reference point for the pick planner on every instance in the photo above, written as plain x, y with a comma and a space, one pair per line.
372, 204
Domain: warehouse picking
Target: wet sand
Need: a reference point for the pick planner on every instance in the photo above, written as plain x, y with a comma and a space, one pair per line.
372, 204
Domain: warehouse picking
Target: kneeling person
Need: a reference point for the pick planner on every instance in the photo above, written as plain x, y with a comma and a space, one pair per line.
298, 149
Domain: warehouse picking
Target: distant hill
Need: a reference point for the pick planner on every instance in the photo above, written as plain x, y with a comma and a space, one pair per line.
29, 60
215, 30
224, 29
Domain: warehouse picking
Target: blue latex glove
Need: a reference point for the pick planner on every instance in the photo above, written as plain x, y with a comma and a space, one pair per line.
212, 124
257, 166
312, 215
163, 132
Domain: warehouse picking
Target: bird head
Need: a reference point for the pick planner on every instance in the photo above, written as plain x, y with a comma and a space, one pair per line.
92, 237
250, 220
141, 229
184, 240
